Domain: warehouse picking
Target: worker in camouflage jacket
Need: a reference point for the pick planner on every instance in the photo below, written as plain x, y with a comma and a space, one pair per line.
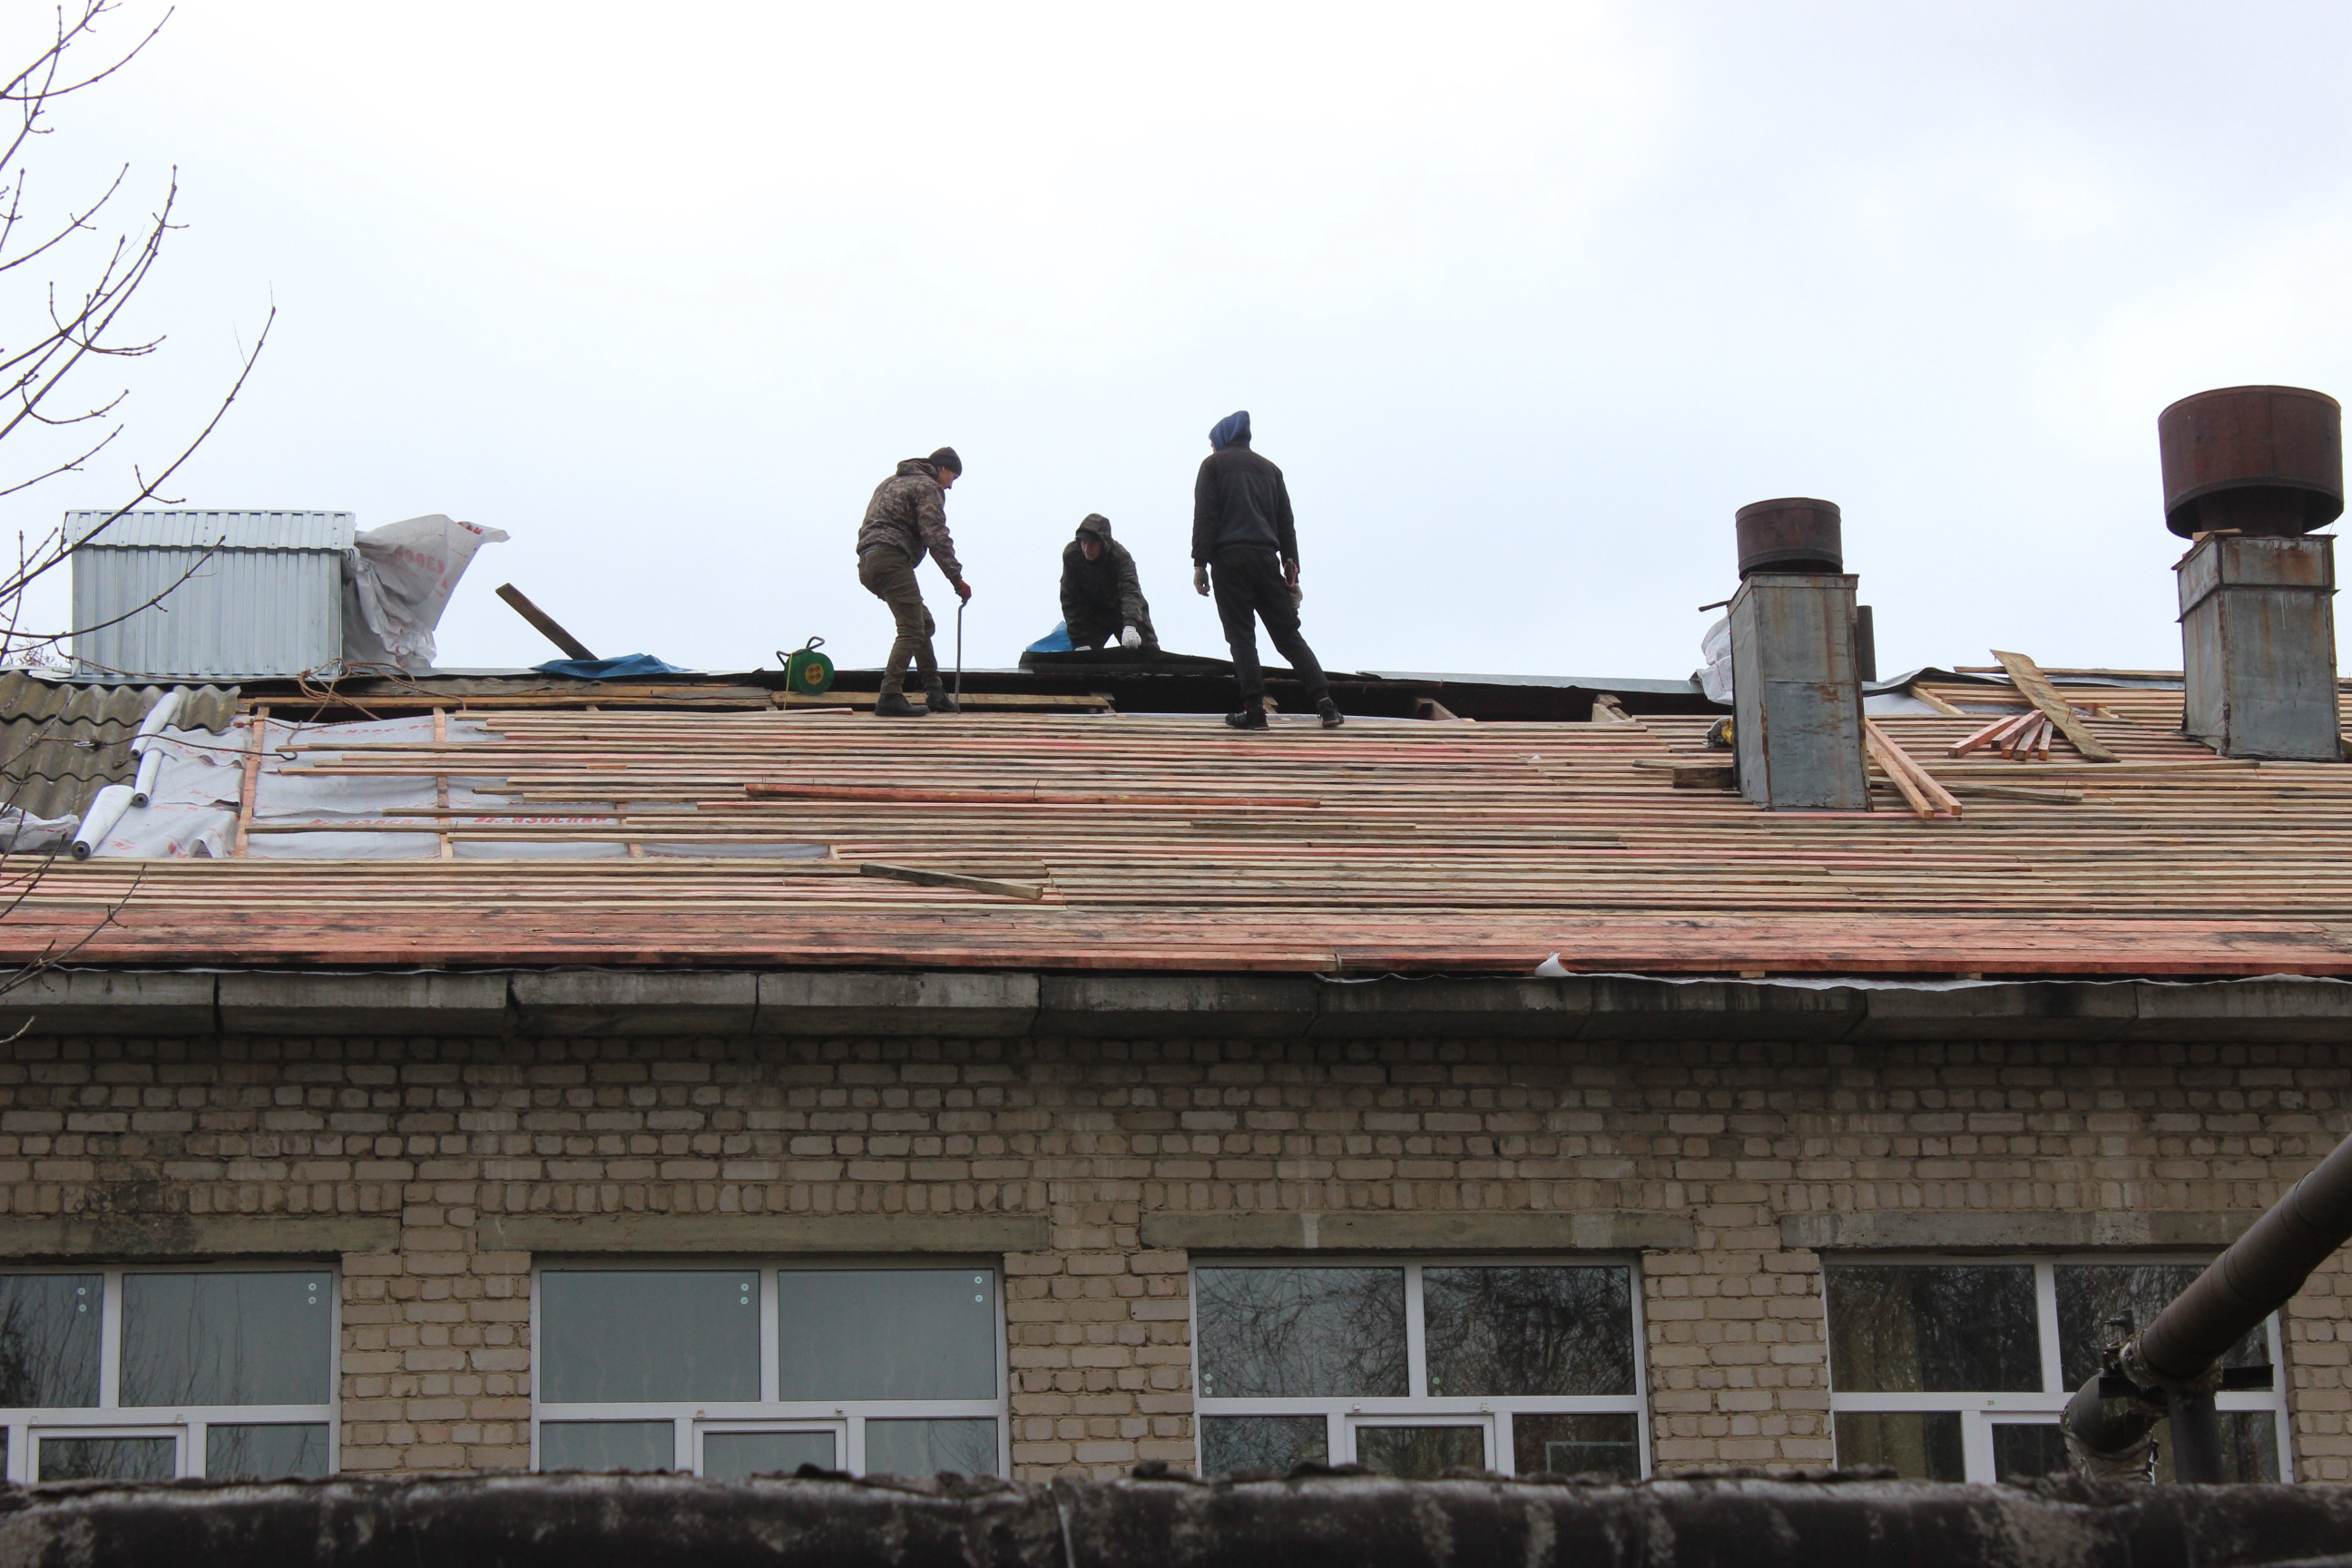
1102, 602
907, 519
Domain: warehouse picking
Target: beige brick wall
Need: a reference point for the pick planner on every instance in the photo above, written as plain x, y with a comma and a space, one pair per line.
1097, 1133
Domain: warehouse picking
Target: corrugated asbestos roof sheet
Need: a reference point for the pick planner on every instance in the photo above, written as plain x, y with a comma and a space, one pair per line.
59, 742
1170, 843
228, 530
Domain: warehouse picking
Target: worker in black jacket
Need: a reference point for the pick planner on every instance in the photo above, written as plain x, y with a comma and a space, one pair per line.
1242, 529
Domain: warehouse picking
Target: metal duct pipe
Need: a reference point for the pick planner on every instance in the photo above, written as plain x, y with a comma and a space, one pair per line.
2173, 1366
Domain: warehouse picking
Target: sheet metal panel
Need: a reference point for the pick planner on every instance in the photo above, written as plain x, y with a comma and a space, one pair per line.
241, 593
231, 529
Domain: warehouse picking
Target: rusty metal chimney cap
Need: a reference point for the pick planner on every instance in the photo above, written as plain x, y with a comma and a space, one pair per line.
2271, 458
1794, 533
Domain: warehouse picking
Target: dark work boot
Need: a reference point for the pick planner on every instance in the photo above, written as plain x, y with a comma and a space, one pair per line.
1332, 717
1251, 717
936, 698
894, 705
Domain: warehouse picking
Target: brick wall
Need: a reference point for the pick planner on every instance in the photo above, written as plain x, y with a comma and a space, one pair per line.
1096, 1133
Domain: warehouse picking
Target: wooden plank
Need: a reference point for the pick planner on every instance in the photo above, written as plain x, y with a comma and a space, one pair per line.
2037, 689
929, 879
1927, 797
249, 786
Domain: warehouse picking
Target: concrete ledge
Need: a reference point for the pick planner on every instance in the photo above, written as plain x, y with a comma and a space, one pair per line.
1228, 1007
855, 1002
592, 1001
2005, 1230
748, 1233
902, 1003
198, 1236
94, 1002
264, 1004
1583, 1230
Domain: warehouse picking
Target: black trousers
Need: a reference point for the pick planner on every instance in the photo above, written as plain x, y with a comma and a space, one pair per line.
1249, 587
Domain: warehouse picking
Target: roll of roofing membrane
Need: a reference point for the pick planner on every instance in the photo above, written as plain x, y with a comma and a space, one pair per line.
150, 762
166, 709
98, 821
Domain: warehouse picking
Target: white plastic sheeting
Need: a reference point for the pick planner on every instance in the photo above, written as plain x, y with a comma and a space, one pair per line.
1716, 648
397, 580
358, 816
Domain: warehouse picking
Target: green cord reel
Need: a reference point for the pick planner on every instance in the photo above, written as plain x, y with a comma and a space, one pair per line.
807, 672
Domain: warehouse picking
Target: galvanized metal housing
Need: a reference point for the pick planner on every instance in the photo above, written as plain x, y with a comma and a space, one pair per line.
240, 593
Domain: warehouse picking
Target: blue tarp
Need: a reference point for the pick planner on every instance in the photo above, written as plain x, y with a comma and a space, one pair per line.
1056, 641
621, 669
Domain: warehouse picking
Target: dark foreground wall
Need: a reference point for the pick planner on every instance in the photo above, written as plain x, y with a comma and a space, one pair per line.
1341, 1520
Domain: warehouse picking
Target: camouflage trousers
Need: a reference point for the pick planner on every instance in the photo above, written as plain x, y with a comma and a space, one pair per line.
889, 576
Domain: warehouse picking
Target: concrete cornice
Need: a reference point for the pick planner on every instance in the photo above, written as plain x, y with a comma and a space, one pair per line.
979, 1004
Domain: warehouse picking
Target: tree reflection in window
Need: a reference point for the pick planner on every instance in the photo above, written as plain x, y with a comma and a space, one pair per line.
1529, 1331
50, 1340
227, 1339
2090, 1294
1933, 1328
1286, 1333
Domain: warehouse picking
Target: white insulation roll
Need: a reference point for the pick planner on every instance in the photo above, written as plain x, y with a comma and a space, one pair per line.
150, 762
166, 709
99, 819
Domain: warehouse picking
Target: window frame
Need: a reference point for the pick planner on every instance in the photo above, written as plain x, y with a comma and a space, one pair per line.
186, 1425
1981, 1411
691, 1421
1492, 1414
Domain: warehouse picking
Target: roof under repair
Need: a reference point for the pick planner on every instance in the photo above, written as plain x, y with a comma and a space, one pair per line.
718, 822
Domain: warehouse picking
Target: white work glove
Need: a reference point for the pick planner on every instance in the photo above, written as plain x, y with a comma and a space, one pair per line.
1297, 595
1201, 580
1131, 637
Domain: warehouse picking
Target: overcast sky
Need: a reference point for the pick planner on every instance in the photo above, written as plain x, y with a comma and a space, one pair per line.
1525, 299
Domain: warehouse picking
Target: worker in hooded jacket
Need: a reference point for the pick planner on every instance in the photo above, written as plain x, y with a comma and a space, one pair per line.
1102, 600
907, 519
1245, 541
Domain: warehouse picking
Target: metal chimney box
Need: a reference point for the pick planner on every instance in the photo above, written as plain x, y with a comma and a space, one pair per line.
2258, 646
244, 594
1796, 689
2249, 472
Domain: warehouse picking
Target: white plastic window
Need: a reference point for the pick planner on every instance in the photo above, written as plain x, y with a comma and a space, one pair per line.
147, 1374
1418, 1368
1957, 1369
758, 1369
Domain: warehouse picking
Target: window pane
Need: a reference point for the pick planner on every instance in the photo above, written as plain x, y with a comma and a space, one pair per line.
1301, 1333
1917, 1446
1933, 1328
106, 1458
731, 1455
227, 1339
266, 1453
929, 1448
49, 1341
887, 1334
2091, 1293
1576, 1445
1421, 1453
607, 1446
2028, 1449
642, 1334
1528, 1330
1230, 1445
2249, 1446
